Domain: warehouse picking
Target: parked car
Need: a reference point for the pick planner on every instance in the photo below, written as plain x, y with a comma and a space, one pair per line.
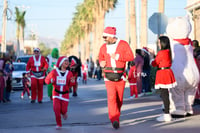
19, 69
24, 58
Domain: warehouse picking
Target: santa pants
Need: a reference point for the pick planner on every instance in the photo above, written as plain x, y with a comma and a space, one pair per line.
60, 108
115, 92
75, 87
133, 90
84, 76
26, 89
37, 88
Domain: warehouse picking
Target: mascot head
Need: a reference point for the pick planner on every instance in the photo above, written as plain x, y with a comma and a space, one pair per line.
55, 53
179, 28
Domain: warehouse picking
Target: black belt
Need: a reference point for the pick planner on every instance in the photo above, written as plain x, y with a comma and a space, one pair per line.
114, 68
162, 68
61, 92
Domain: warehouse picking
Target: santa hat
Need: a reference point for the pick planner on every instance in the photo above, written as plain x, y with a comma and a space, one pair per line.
61, 60
109, 31
36, 49
73, 62
145, 49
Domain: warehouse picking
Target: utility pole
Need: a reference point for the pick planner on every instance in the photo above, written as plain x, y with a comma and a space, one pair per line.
3, 45
127, 22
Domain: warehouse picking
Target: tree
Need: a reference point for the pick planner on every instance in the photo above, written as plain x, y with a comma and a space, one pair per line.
88, 18
20, 20
44, 50
133, 34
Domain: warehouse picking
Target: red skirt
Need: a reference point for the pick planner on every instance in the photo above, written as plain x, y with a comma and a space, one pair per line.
165, 79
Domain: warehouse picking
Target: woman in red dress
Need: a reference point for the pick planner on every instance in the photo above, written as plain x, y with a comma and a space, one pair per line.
164, 76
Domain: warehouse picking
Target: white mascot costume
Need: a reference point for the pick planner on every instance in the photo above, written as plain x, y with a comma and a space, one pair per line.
183, 66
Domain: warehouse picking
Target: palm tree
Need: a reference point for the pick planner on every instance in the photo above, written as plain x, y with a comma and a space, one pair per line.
133, 34
20, 20
143, 25
161, 6
89, 18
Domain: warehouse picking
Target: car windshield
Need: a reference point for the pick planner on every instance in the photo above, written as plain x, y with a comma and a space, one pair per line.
19, 67
23, 59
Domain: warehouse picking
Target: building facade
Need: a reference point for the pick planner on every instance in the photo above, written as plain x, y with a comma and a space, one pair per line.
193, 9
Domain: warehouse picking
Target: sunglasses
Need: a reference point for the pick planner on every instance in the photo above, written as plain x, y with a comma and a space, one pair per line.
36, 51
104, 37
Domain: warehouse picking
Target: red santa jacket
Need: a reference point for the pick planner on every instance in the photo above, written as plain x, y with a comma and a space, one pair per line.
123, 54
132, 75
61, 84
35, 64
164, 75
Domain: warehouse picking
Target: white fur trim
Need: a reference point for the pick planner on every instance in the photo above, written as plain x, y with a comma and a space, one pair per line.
150, 62
36, 49
172, 85
132, 83
62, 61
145, 51
109, 35
61, 98
32, 76
117, 57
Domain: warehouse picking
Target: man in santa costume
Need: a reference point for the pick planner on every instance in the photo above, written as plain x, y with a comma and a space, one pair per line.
61, 79
37, 67
113, 55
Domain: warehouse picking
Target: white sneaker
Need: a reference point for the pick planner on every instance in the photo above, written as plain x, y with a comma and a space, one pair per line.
22, 97
131, 97
164, 118
58, 127
141, 94
29, 97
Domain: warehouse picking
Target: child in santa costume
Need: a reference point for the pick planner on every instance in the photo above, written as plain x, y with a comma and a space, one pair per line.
37, 67
26, 83
165, 79
73, 67
61, 79
113, 56
132, 79
84, 72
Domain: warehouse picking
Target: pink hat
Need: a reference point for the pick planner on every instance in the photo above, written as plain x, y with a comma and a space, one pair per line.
61, 60
36, 49
145, 49
109, 31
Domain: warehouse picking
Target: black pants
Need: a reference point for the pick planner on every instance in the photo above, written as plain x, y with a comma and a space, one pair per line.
165, 97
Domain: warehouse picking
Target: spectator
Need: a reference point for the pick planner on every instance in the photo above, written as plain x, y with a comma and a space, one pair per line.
139, 62
146, 71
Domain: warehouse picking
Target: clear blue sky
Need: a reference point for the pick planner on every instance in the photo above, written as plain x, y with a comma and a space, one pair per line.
51, 18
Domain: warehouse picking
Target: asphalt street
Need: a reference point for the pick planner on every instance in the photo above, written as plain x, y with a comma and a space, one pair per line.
88, 114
